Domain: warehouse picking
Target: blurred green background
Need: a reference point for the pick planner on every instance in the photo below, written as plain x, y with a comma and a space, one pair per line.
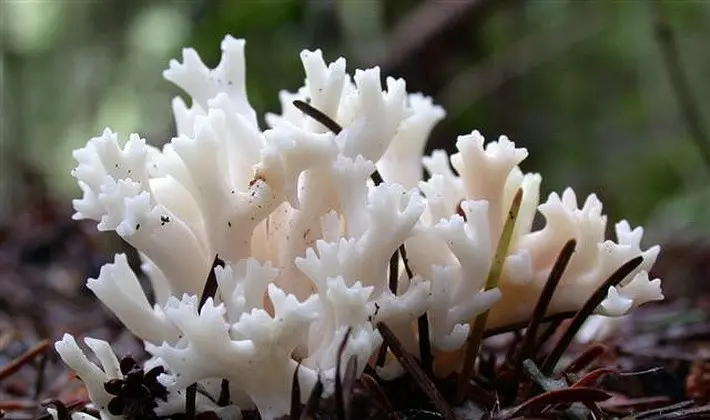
585, 86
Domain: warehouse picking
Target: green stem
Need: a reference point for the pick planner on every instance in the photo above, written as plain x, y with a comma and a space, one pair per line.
477, 331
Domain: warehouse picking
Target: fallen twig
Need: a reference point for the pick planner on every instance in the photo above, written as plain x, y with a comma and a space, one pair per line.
411, 366
23, 359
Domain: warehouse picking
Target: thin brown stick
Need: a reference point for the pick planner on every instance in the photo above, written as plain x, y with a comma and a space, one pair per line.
538, 314
39, 381
425, 355
592, 303
349, 379
394, 272
405, 261
311, 409
224, 398
411, 366
379, 394
334, 127
702, 412
519, 325
330, 124
209, 291
23, 359
190, 402
339, 392
393, 279
547, 334
295, 412
318, 115
666, 409
585, 359
210, 288
18, 405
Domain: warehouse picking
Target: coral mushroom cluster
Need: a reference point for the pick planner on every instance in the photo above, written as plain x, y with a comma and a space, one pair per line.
306, 236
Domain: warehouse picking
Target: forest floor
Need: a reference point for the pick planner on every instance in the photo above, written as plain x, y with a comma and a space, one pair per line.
655, 366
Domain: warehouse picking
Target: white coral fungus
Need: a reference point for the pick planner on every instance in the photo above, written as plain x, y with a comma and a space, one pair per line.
306, 237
